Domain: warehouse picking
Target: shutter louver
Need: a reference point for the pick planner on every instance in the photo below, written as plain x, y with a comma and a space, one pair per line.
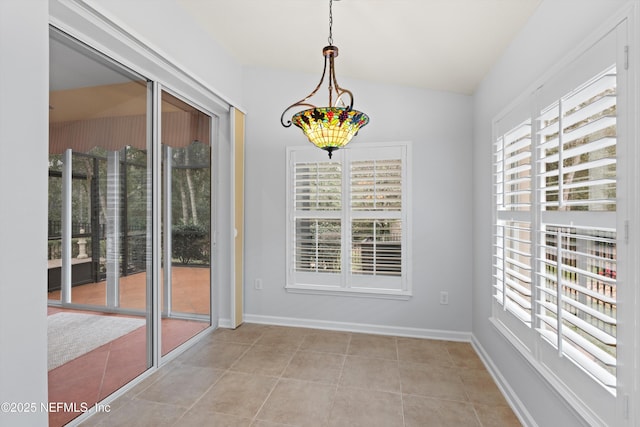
512, 240
577, 297
376, 185
376, 228
513, 168
578, 148
318, 186
512, 268
376, 248
317, 247
318, 200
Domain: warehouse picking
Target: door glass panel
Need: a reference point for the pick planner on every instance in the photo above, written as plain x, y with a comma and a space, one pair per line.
99, 226
186, 219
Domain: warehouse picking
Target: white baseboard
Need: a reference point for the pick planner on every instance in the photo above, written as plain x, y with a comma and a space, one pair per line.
514, 402
356, 327
225, 323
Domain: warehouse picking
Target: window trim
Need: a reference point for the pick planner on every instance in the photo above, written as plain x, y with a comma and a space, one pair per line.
574, 388
345, 286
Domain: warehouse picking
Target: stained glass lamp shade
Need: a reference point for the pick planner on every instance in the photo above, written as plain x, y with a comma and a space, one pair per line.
330, 128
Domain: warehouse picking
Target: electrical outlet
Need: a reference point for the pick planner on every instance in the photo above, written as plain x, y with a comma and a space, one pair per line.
258, 284
444, 297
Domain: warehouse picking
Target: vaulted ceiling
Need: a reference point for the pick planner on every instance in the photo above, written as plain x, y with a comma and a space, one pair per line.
445, 45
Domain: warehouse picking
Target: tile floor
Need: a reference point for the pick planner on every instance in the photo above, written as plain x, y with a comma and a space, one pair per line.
271, 376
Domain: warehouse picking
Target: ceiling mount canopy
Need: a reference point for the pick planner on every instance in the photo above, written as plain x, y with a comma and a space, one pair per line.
333, 126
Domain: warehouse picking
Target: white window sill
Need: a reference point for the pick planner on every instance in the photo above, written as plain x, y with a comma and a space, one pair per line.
351, 292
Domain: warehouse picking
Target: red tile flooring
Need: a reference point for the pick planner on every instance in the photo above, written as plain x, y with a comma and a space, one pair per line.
93, 376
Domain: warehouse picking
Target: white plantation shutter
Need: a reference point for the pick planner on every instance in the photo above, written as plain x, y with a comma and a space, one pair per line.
376, 209
562, 188
577, 297
318, 186
376, 247
577, 148
578, 252
348, 220
572, 182
376, 185
512, 277
512, 229
513, 168
555, 222
318, 200
318, 245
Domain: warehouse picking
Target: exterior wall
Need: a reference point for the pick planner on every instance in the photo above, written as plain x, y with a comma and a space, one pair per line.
439, 125
555, 29
23, 207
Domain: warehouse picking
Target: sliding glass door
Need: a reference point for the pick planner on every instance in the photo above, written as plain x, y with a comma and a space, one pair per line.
130, 224
99, 170
186, 221
100, 195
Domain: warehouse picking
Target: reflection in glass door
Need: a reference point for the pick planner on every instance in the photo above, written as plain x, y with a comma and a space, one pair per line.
186, 221
107, 167
100, 272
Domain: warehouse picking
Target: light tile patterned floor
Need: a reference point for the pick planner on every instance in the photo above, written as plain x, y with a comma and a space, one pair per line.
273, 376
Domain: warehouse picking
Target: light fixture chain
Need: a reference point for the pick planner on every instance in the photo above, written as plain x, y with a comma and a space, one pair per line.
330, 22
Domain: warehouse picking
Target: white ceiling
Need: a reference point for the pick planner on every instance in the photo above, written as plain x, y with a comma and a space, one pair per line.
436, 44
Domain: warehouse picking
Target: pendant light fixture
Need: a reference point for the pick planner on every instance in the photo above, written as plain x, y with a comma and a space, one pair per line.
333, 126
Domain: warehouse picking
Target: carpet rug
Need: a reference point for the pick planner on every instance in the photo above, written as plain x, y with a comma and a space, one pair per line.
71, 335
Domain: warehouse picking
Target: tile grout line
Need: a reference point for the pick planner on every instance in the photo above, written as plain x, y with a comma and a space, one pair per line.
404, 423
278, 378
225, 371
464, 386
228, 370
471, 402
344, 361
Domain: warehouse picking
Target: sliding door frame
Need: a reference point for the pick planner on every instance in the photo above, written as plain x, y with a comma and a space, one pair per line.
92, 25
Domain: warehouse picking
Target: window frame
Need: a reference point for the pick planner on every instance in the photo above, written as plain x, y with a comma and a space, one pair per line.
597, 404
342, 283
